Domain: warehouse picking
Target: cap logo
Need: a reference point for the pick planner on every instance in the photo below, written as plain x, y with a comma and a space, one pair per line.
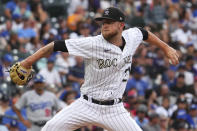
120, 18
106, 12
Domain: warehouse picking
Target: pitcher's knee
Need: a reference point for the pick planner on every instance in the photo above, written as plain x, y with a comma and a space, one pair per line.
54, 126
50, 126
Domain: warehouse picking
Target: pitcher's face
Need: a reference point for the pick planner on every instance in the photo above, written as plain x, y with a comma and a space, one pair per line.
111, 28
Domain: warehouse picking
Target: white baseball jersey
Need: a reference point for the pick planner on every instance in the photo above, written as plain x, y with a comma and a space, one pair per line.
38, 107
106, 65
106, 74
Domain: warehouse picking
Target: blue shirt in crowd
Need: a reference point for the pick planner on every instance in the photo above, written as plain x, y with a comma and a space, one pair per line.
26, 33
140, 85
11, 113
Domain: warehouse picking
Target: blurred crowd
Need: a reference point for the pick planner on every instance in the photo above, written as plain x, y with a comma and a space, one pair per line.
159, 96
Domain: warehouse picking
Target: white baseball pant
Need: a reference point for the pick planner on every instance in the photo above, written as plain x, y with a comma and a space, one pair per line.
82, 113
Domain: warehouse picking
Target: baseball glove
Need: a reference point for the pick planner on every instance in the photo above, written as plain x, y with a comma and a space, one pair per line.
20, 75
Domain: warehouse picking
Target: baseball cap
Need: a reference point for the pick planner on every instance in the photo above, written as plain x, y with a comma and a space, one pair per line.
8, 58
193, 107
181, 114
132, 94
138, 70
53, 31
16, 16
142, 108
112, 13
38, 78
51, 59
153, 115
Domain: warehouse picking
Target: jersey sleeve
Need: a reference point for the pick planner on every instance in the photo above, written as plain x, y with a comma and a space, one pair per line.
80, 47
134, 37
21, 102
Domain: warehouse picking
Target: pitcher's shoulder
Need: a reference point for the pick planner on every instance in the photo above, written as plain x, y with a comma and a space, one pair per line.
132, 32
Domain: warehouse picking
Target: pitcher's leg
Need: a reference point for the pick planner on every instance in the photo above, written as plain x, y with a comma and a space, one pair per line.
119, 120
68, 119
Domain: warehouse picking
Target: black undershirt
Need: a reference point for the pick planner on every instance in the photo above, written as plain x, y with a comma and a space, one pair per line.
123, 44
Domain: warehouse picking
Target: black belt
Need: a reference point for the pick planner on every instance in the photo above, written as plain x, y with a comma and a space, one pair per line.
110, 102
40, 123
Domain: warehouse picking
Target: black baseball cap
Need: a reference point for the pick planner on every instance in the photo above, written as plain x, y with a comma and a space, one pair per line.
112, 13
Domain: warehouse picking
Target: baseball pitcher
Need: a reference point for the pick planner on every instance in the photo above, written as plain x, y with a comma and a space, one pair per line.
108, 59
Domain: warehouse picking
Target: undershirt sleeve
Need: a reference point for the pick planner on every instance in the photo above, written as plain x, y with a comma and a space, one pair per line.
59, 45
144, 33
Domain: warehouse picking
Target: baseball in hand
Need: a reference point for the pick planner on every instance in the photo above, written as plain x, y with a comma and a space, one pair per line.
170, 61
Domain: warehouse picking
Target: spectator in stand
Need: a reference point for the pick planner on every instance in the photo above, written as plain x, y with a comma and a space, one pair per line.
162, 110
169, 77
165, 92
141, 115
74, 4
155, 14
63, 63
38, 12
181, 35
76, 73
182, 126
44, 31
181, 117
2, 126
7, 30
75, 18
189, 65
50, 74
4, 103
153, 124
132, 99
17, 23
163, 123
14, 41
151, 98
192, 116
10, 7
188, 76
137, 82
23, 9
179, 86
84, 30
33, 45
26, 33
190, 48
181, 105
6, 63
70, 97
137, 20
11, 116
52, 36
195, 87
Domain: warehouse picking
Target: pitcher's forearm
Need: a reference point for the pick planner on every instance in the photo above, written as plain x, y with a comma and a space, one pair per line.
42, 52
154, 40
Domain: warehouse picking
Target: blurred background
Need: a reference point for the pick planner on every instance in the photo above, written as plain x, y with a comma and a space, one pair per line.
159, 96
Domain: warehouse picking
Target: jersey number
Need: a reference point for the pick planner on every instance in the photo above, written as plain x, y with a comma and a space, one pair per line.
47, 112
127, 72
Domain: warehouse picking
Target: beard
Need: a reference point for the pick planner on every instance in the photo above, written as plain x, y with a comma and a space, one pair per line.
109, 35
